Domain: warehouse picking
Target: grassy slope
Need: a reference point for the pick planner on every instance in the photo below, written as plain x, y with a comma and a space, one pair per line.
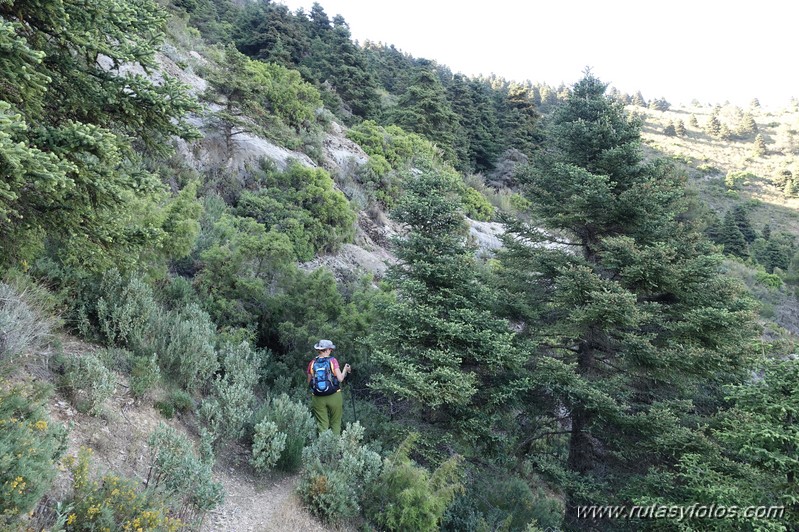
707, 160
699, 153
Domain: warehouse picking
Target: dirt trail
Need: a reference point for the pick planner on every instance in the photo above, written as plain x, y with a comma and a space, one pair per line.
118, 439
260, 505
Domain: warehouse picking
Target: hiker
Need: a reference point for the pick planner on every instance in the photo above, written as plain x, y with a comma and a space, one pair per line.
324, 379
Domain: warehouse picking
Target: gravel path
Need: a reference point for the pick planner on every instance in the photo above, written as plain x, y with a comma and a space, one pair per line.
260, 505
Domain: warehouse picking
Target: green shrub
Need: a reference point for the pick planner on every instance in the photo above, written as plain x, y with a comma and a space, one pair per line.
120, 359
125, 310
179, 475
144, 375
176, 400
708, 169
475, 205
88, 382
406, 496
177, 293
380, 182
770, 280
336, 471
282, 428
181, 401
228, 409
23, 325
302, 204
165, 408
502, 502
30, 447
268, 445
184, 341
734, 179
395, 145
112, 502
240, 259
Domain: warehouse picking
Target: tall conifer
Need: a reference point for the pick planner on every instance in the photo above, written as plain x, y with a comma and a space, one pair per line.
439, 349
623, 300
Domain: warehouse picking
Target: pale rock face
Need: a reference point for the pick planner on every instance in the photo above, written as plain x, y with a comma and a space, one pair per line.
486, 235
245, 150
370, 253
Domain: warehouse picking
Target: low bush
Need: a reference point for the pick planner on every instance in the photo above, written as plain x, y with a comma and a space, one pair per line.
282, 429
23, 324
405, 496
179, 475
176, 401
228, 408
502, 502
125, 310
30, 447
184, 340
88, 382
144, 375
112, 502
336, 471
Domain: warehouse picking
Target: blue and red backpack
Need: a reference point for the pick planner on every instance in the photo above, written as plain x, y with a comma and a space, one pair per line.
323, 379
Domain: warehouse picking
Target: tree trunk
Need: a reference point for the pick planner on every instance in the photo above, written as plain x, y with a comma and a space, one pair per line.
580, 461
581, 455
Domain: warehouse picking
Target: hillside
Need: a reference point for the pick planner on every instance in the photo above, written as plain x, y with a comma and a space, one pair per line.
759, 183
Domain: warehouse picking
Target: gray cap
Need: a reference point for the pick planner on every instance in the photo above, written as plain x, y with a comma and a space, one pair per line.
324, 344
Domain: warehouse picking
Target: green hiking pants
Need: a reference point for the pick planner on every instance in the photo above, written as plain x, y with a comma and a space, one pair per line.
327, 410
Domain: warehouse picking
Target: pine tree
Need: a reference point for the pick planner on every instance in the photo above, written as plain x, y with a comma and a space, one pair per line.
424, 109
624, 301
478, 141
731, 236
759, 146
71, 175
724, 132
269, 32
437, 346
679, 128
520, 119
790, 189
748, 457
748, 125
741, 217
713, 125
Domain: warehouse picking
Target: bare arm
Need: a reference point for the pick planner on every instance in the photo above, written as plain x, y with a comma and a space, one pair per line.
341, 374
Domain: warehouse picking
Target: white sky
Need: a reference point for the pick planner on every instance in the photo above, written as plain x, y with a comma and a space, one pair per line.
711, 50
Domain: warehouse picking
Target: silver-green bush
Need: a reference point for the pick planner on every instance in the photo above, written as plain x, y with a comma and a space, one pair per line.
179, 474
125, 310
184, 341
229, 407
88, 382
335, 472
22, 326
144, 375
281, 433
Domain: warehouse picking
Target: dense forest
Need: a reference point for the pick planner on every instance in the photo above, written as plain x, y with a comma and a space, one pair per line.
608, 355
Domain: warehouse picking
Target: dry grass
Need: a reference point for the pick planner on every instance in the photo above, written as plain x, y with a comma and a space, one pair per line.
707, 160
